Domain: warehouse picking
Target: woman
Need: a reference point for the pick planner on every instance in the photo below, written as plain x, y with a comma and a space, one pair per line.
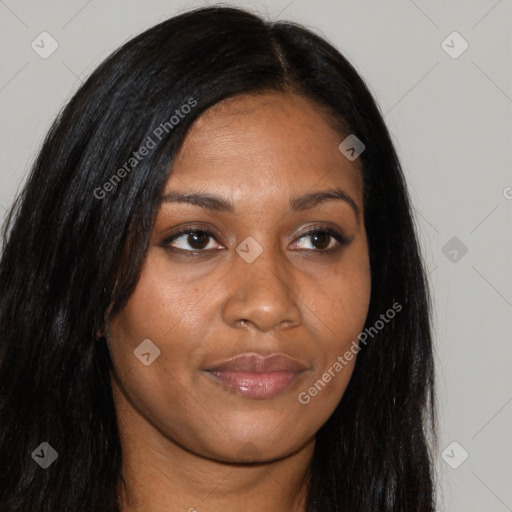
212, 296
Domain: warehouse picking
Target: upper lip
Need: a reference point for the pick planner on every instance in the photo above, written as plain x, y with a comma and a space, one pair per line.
256, 363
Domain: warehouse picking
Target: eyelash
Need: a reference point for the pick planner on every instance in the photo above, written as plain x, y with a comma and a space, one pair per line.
338, 236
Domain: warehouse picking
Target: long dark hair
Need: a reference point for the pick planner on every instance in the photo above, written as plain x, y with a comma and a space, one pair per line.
74, 247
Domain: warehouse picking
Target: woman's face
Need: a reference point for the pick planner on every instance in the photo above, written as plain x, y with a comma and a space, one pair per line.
303, 296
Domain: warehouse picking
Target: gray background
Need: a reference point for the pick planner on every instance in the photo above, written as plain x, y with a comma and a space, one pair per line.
450, 119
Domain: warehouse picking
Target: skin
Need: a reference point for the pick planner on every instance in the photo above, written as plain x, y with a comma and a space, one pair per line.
185, 437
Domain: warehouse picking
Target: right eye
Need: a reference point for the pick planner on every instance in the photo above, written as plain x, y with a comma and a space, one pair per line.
191, 240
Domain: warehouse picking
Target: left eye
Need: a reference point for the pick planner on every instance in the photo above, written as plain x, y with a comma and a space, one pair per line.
323, 240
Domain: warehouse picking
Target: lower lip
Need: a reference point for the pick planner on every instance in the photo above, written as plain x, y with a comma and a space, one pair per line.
256, 385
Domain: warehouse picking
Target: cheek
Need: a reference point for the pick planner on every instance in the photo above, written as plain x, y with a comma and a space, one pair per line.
341, 298
159, 311
161, 307
341, 302
152, 313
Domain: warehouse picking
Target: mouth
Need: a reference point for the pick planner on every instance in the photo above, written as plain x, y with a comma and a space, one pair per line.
256, 385
255, 376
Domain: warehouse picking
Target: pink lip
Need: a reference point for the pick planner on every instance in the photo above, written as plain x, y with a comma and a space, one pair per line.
256, 385
256, 376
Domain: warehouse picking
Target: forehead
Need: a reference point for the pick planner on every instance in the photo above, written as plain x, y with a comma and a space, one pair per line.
272, 143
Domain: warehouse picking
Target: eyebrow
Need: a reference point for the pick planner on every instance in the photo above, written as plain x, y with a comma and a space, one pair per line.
296, 204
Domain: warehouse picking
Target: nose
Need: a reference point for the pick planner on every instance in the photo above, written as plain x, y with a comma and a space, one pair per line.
263, 294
